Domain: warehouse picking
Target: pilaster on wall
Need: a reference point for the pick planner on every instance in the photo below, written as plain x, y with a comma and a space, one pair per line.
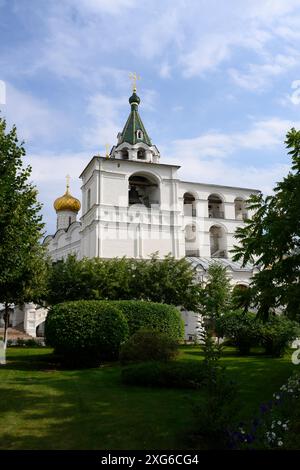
229, 210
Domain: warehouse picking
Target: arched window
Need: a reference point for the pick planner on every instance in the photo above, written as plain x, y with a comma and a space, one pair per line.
141, 154
215, 207
40, 330
139, 134
124, 154
189, 205
70, 220
241, 212
218, 242
143, 190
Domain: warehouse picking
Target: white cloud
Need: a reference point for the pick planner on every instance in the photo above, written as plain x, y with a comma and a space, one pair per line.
115, 7
212, 50
49, 172
165, 70
270, 10
261, 135
33, 117
206, 158
258, 76
217, 171
79, 37
105, 112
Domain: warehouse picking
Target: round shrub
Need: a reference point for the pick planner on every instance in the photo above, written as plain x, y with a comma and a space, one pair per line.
153, 316
242, 329
277, 333
148, 345
86, 331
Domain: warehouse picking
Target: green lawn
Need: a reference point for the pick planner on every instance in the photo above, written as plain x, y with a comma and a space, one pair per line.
45, 408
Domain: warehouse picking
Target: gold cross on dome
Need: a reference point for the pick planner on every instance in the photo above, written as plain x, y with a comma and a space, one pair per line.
68, 177
134, 77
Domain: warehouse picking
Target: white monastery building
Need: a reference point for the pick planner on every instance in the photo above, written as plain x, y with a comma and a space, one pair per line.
133, 205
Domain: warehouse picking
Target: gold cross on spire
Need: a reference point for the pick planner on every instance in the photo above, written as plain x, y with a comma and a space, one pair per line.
68, 177
134, 77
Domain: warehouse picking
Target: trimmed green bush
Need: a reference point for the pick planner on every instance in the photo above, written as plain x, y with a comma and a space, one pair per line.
85, 332
277, 333
242, 329
245, 330
153, 316
148, 345
165, 374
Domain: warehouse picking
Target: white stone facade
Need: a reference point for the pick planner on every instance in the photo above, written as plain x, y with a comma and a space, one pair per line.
134, 206
181, 218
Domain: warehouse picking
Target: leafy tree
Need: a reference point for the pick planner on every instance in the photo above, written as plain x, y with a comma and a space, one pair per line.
241, 298
167, 281
271, 241
22, 262
216, 294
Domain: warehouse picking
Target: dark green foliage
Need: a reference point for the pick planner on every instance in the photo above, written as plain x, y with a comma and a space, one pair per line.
241, 298
22, 263
241, 328
152, 316
246, 330
85, 332
212, 351
168, 281
214, 414
25, 343
148, 345
271, 241
215, 295
277, 333
165, 374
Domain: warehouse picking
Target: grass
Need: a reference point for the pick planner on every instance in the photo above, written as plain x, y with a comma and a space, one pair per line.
42, 407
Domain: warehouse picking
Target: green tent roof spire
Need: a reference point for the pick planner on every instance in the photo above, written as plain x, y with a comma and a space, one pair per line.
134, 130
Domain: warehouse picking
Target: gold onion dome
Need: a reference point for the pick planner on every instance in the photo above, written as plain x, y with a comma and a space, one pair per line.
67, 202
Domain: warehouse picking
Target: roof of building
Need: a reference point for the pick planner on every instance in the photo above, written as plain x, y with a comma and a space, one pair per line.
133, 124
221, 186
203, 263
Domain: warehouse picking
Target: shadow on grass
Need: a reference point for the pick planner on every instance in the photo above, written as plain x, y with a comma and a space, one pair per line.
91, 409
32, 362
44, 361
85, 409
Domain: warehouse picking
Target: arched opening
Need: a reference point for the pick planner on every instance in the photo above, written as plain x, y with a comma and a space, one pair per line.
141, 154
218, 243
241, 212
124, 154
189, 205
143, 190
215, 207
241, 297
139, 134
40, 330
191, 248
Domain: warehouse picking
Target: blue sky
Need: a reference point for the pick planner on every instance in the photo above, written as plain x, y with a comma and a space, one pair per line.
219, 86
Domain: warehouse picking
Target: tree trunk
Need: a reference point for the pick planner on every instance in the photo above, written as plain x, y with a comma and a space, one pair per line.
6, 323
